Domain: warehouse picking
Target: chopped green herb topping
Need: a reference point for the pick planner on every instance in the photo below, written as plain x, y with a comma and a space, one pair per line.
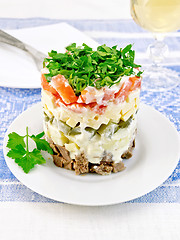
82, 66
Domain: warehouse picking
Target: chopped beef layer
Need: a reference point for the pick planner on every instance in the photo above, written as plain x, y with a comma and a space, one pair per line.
128, 153
80, 164
101, 169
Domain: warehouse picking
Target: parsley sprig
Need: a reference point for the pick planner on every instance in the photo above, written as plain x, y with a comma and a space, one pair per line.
83, 66
19, 150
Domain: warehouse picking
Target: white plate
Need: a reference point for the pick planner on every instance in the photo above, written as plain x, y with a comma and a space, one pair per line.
19, 69
155, 157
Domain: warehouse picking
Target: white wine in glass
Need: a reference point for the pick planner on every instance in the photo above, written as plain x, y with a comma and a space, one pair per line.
158, 17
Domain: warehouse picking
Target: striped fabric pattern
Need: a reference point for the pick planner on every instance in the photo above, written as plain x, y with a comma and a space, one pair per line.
110, 32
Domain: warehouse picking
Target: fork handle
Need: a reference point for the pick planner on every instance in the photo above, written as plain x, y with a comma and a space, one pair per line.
35, 54
6, 38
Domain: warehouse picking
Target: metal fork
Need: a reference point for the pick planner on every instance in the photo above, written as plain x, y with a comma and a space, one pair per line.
35, 54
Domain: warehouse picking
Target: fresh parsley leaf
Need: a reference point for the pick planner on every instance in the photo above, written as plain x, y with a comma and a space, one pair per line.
14, 140
42, 144
40, 135
26, 163
19, 151
30, 159
82, 66
37, 157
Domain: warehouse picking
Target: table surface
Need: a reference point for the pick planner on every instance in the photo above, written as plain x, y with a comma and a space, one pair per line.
27, 215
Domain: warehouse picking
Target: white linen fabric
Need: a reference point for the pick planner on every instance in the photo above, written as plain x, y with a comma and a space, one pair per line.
62, 221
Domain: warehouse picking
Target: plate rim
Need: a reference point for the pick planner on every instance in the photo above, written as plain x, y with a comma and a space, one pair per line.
93, 204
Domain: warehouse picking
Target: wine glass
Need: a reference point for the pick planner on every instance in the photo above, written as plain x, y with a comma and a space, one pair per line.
158, 17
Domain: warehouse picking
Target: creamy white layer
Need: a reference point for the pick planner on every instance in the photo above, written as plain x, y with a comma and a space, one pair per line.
97, 133
93, 143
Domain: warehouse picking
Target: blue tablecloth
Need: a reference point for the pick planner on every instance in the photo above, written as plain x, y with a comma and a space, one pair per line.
15, 101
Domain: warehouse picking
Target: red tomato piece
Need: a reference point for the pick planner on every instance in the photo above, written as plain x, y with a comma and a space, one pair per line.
61, 84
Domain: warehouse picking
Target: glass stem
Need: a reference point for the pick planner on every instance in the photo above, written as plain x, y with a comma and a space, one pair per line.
158, 51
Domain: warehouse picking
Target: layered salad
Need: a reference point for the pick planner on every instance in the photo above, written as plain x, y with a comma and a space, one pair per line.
90, 101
